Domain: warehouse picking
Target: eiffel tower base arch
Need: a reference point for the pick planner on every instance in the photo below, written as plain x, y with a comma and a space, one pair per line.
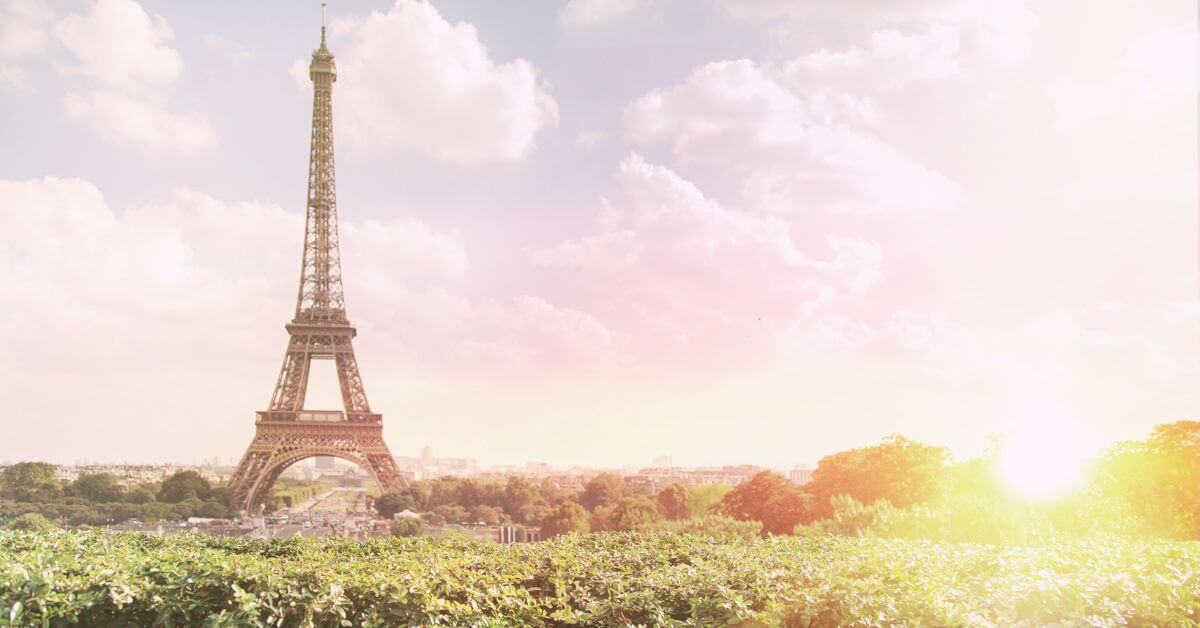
278, 445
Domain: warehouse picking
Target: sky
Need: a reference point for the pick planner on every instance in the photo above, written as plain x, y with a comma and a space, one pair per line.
595, 232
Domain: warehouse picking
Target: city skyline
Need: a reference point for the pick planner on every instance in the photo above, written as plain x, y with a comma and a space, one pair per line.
759, 250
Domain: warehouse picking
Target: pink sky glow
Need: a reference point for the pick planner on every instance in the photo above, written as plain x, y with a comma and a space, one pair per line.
599, 231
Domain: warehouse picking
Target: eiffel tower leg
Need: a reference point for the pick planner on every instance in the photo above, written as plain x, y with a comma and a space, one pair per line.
278, 445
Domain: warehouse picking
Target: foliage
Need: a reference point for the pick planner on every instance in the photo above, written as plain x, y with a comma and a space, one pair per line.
139, 495
486, 514
566, 517
715, 526
183, 485
673, 501
97, 487
770, 498
706, 499
29, 482
604, 489
408, 526
630, 513
389, 504
1159, 478
31, 521
600, 579
902, 471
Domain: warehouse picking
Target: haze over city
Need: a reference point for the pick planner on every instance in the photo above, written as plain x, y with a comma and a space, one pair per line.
776, 241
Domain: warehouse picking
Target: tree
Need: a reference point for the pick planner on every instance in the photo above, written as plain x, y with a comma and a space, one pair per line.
705, 499
489, 515
139, 495
97, 487
443, 492
474, 492
30, 481
183, 485
1158, 478
519, 496
770, 498
33, 522
630, 513
566, 517
408, 526
212, 509
899, 470
603, 490
451, 513
27, 474
673, 502
389, 504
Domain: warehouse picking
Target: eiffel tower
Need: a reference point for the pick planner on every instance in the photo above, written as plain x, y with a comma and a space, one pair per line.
286, 432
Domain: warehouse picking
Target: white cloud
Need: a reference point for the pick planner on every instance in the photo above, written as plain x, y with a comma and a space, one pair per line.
675, 270
1168, 56
226, 46
409, 79
793, 143
23, 28
23, 25
145, 284
128, 52
579, 13
850, 10
141, 123
1000, 30
122, 45
1076, 104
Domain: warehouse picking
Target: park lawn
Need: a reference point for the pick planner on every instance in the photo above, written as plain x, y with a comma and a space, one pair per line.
598, 579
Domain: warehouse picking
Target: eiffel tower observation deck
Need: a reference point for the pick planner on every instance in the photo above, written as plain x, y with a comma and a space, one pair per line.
286, 431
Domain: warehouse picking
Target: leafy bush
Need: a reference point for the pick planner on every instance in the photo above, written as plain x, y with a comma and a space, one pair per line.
408, 526
994, 520
31, 521
89, 579
715, 526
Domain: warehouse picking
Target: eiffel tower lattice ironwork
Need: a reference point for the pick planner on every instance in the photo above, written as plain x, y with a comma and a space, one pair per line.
286, 432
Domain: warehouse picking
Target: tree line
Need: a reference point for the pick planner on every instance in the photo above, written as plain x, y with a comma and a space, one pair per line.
30, 488
898, 487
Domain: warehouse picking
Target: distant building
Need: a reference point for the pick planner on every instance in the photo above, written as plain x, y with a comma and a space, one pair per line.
517, 534
427, 466
662, 461
802, 474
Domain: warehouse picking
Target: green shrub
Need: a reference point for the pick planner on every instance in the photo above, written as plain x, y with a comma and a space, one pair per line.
408, 526
716, 526
31, 521
603, 579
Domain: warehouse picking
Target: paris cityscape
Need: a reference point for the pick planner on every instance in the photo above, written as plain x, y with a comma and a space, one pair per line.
671, 313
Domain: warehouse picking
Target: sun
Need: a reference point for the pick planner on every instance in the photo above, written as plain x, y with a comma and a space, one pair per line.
1042, 467
1045, 451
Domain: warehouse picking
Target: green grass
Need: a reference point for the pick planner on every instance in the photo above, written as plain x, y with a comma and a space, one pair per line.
600, 579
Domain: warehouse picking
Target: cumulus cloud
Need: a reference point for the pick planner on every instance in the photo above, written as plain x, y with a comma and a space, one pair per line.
158, 270
409, 79
128, 52
792, 142
1168, 56
148, 282
1001, 31
23, 26
1156, 65
141, 123
672, 269
579, 13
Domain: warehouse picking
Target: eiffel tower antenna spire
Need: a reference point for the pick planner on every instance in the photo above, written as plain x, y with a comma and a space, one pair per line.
287, 432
